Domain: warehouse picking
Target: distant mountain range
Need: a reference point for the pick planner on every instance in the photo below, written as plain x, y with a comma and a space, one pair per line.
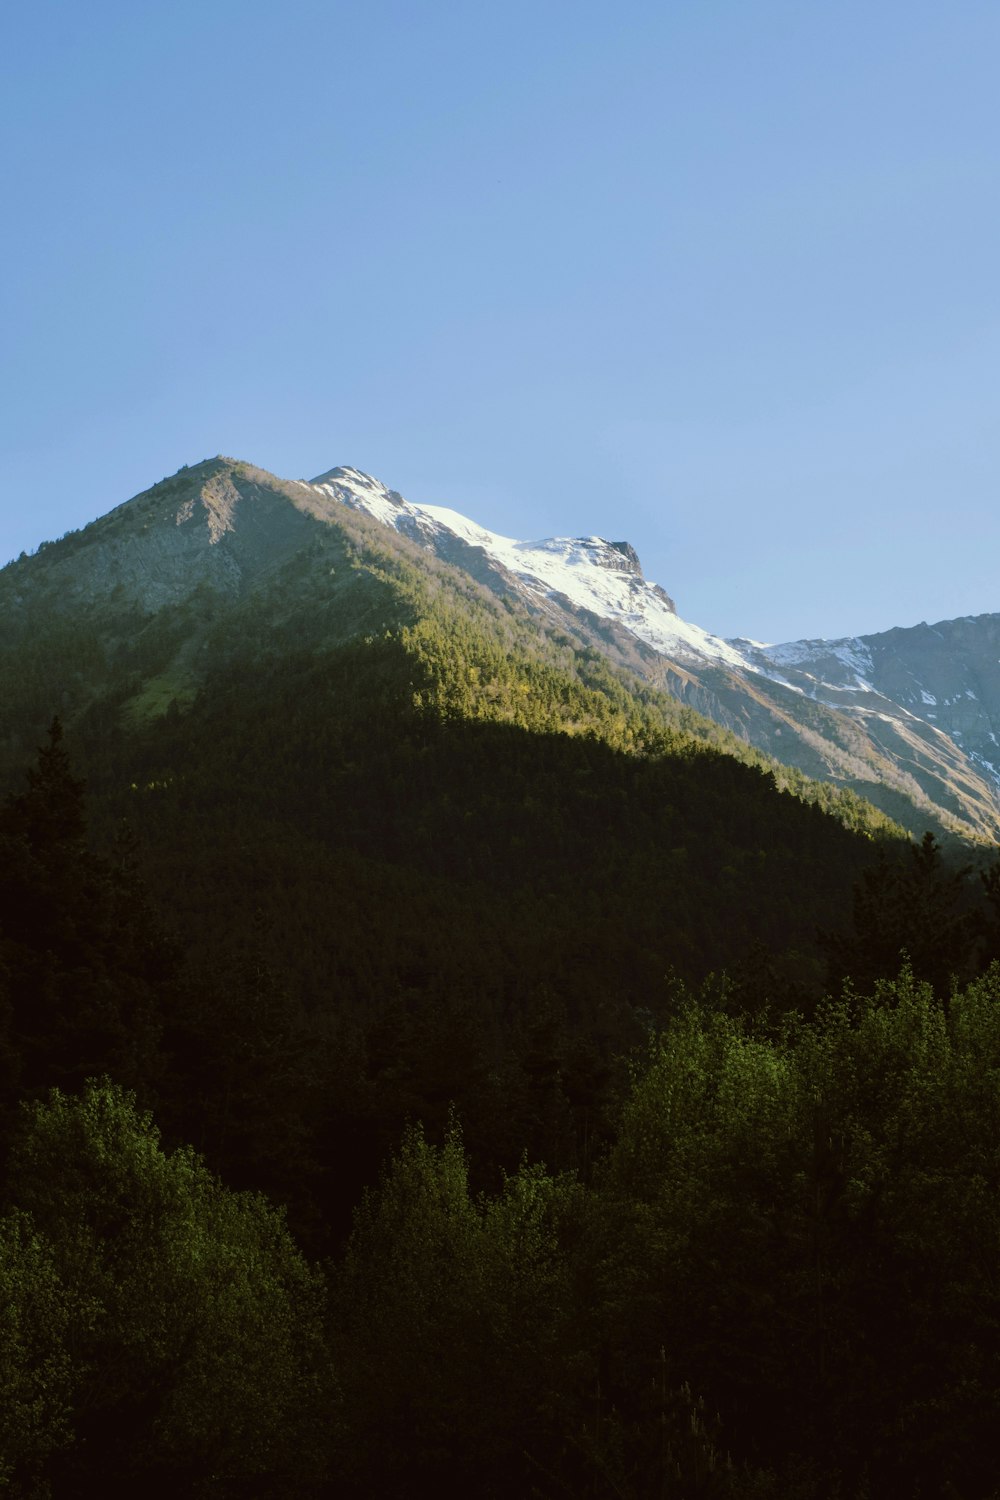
909, 718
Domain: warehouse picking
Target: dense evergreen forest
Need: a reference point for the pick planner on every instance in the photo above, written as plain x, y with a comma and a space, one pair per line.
435, 1064
516, 1229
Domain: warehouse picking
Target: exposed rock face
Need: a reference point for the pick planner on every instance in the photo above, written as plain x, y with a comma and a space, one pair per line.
220, 525
621, 557
630, 555
216, 525
949, 675
925, 682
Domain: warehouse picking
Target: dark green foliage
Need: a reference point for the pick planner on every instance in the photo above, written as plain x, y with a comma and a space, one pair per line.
477, 864
780, 1282
245, 1077
36, 1384
807, 1224
455, 1317
909, 907
83, 966
187, 1330
653, 854
990, 926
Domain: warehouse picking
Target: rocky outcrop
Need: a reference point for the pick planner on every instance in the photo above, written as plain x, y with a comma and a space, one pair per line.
218, 525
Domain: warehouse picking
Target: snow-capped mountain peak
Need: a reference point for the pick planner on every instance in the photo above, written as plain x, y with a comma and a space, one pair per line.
909, 716
861, 676
362, 491
603, 577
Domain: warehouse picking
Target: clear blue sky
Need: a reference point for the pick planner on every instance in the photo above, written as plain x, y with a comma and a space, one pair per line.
716, 276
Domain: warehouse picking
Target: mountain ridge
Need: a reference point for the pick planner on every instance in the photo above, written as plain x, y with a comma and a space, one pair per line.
892, 726
856, 712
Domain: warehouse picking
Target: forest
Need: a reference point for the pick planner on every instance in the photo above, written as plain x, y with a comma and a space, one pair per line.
503, 1232
434, 1063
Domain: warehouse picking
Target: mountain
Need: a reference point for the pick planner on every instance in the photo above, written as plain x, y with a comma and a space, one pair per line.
299, 709
908, 718
516, 982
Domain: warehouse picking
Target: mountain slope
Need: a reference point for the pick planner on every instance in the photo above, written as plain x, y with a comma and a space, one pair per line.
936, 681
855, 712
907, 720
303, 712
433, 854
123, 619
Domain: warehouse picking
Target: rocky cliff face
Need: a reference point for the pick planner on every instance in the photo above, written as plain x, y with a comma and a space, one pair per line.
947, 674
930, 694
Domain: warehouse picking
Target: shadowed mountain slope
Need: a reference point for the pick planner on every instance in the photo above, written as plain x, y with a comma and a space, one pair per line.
303, 711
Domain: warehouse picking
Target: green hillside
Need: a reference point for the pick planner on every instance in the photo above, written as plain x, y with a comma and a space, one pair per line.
383, 894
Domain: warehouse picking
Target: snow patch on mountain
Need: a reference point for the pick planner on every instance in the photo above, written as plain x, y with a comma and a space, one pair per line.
592, 573
850, 653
